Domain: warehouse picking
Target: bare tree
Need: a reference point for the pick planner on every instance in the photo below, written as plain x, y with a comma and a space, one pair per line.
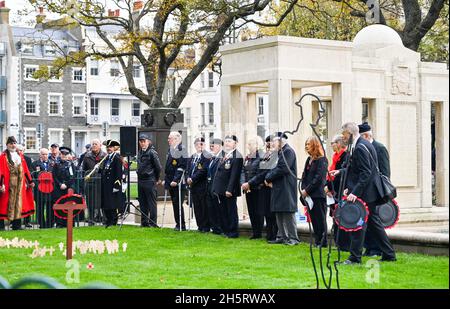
158, 35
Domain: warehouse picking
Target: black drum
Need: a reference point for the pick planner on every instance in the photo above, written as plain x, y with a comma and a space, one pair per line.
389, 213
351, 217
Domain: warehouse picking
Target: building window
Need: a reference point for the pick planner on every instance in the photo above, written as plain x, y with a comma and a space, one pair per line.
55, 137
202, 79
365, 111
29, 71
78, 75
211, 136
136, 71
78, 105
31, 103
115, 107
260, 106
27, 48
211, 112
31, 139
187, 116
202, 113
54, 104
49, 50
94, 106
210, 79
55, 76
115, 68
94, 67
136, 108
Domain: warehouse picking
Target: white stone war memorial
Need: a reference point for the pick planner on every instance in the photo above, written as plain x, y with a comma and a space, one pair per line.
374, 78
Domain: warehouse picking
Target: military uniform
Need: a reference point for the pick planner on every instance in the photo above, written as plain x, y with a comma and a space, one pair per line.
148, 172
212, 199
176, 165
227, 179
63, 173
92, 187
197, 171
44, 211
111, 188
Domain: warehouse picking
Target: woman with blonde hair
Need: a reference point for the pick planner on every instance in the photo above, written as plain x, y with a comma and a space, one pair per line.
314, 179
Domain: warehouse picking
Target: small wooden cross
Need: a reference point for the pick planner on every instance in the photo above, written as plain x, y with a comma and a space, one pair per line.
70, 208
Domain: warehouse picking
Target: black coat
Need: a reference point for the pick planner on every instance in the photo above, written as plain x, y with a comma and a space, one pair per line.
284, 191
251, 168
198, 172
383, 158
111, 172
363, 179
228, 175
63, 172
314, 177
149, 166
267, 162
90, 160
176, 164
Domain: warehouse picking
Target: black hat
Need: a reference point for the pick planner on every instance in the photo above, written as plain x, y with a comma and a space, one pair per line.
11, 140
111, 143
233, 137
364, 127
88, 146
389, 214
268, 138
278, 135
65, 150
199, 140
144, 136
216, 141
54, 145
350, 216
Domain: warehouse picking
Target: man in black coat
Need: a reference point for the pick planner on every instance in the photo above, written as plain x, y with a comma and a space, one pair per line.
44, 211
148, 172
283, 180
226, 185
384, 166
111, 178
174, 180
213, 202
197, 175
364, 182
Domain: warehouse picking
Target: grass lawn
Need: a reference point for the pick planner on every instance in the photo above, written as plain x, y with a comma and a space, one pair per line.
162, 258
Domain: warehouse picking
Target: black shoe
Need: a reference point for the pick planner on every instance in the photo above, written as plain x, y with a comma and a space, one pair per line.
217, 232
231, 235
256, 237
28, 225
276, 241
388, 259
291, 243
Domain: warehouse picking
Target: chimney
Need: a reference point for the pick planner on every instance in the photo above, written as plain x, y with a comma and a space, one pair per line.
40, 17
117, 13
138, 5
4, 13
110, 13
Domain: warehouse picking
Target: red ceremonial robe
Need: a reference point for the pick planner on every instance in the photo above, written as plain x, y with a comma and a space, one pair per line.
27, 193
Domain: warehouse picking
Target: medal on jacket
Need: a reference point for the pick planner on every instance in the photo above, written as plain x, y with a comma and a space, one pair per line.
227, 165
174, 162
199, 166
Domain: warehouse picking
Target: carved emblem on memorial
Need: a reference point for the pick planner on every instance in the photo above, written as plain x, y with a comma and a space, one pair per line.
401, 80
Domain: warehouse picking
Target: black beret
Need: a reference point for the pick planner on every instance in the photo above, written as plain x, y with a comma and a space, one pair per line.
199, 140
233, 137
364, 127
54, 145
11, 140
268, 138
216, 141
65, 150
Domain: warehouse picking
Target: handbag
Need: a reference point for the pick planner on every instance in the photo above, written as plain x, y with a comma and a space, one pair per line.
389, 190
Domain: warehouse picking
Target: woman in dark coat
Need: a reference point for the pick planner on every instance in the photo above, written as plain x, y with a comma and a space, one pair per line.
283, 180
313, 185
64, 179
111, 178
252, 193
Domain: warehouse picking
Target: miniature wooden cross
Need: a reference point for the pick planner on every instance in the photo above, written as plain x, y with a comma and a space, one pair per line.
70, 208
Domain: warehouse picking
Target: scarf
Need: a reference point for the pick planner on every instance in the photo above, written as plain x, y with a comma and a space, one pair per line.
336, 158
